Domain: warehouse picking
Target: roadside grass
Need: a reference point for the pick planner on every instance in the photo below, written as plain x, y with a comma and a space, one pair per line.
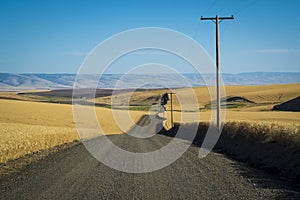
267, 145
281, 117
285, 134
282, 133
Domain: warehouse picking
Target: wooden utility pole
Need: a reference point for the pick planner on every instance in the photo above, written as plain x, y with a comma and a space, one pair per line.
171, 99
217, 20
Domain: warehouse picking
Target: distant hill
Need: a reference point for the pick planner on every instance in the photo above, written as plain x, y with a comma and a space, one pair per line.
291, 105
61, 81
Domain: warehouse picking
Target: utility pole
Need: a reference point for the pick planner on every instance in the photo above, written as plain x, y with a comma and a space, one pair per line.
171, 98
217, 20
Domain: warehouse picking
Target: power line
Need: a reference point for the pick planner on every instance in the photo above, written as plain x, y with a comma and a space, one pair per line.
210, 6
204, 11
242, 9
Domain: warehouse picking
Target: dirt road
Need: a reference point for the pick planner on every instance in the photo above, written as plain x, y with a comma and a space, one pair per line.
75, 174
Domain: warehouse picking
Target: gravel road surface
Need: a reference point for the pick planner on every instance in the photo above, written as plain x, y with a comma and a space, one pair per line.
74, 174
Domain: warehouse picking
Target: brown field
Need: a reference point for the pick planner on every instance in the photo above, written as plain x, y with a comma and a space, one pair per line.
266, 131
265, 97
28, 126
283, 118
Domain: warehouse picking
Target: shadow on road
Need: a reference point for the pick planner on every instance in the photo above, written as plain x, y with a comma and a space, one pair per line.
74, 173
259, 175
270, 179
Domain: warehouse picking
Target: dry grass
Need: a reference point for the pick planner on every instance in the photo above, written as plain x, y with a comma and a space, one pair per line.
285, 134
137, 98
27, 127
16, 96
268, 116
266, 96
20, 139
259, 94
266, 93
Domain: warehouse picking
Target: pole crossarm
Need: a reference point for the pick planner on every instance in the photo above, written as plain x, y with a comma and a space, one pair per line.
217, 19
214, 18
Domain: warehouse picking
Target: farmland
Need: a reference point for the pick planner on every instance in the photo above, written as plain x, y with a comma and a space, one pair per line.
27, 127
29, 123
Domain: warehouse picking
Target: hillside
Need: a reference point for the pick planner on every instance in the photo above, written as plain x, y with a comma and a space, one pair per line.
246, 98
291, 105
12, 82
256, 98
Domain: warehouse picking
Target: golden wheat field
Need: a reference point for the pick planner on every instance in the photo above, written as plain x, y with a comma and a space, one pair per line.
266, 131
265, 96
27, 127
288, 118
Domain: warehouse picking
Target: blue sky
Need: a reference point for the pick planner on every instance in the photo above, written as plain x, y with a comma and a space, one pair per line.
54, 36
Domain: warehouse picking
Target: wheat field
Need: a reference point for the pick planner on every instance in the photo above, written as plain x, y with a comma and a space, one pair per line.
283, 118
27, 127
265, 131
265, 96
19, 139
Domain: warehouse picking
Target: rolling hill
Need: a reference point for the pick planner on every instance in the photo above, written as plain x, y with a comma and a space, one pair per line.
13, 82
291, 105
